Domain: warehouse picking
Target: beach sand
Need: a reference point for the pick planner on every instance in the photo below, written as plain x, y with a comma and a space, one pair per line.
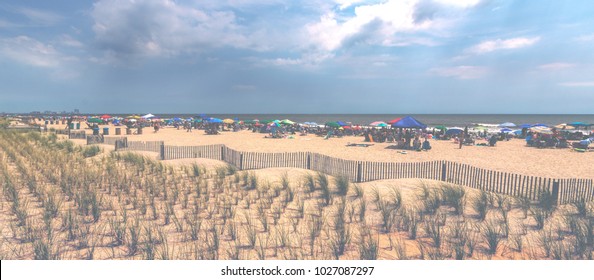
508, 156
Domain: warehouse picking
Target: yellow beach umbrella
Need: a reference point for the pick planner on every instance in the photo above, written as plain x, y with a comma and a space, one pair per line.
228, 121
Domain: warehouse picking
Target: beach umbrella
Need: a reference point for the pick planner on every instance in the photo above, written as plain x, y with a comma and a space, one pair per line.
394, 120
541, 129
525, 125
409, 122
507, 124
176, 119
105, 117
580, 124
286, 121
341, 123
378, 123
228, 121
506, 130
94, 120
148, 116
454, 130
539, 124
564, 126
215, 120
441, 127
332, 124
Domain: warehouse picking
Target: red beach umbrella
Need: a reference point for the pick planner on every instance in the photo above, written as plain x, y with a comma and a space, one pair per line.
105, 117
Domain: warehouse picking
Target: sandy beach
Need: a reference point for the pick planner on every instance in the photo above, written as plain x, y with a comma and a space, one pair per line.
509, 156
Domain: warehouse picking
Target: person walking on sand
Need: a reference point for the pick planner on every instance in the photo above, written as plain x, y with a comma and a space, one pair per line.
461, 139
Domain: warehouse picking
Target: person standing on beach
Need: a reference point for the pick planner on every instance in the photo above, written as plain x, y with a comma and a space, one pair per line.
461, 139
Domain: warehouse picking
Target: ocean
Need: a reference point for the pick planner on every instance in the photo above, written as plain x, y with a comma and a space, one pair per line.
428, 119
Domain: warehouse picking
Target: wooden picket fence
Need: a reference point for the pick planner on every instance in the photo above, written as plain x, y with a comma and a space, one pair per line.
77, 135
564, 190
150, 146
176, 152
112, 140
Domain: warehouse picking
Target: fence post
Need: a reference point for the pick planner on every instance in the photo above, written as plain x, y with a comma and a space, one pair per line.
308, 163
443, 171
555, 191
240, 161
359, 172
222, 152
162, 151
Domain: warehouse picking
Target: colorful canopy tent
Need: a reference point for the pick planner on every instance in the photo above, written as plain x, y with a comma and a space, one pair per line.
394, 120
409, 122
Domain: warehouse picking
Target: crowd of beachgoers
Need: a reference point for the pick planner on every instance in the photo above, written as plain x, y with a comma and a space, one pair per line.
405, 133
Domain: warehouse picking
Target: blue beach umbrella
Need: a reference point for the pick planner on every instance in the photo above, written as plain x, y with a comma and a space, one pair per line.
454, 131
215, 120
525, 125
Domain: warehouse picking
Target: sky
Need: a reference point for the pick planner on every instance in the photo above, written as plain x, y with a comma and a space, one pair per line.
290, 56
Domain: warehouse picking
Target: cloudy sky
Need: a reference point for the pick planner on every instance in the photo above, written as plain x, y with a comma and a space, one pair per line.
290, 56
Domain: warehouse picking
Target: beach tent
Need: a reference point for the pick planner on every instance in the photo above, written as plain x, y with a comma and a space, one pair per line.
148, 116
454, 130
409, 122
507, 124
394, 120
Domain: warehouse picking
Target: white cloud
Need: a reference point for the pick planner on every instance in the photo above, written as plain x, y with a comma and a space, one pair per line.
68, 41
556, 66
459, 3
39, 16
164, 27
577, 84
508, 44
379, 24
30, 51
463, 72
